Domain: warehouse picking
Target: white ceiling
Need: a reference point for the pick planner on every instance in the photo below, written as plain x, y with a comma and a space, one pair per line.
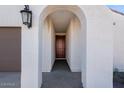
61, 20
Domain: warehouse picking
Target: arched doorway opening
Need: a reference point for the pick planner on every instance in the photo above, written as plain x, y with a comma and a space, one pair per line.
53, 25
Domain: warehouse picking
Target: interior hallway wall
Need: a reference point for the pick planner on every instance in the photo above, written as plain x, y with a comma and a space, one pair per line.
52, 45
68, 44
48, 46
74, 45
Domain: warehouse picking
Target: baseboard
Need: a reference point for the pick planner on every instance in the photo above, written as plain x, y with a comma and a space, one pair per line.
73, 69
82, 85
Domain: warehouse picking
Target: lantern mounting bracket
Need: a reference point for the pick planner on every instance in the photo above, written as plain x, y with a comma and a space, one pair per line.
26, 7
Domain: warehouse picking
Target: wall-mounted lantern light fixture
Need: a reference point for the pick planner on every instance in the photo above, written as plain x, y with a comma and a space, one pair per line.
26, 16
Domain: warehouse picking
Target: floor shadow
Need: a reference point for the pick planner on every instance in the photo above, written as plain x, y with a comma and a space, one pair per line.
61, 65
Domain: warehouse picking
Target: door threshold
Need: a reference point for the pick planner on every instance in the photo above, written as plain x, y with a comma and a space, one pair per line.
60, 58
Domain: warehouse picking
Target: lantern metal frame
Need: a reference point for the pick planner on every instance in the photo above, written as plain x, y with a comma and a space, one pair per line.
28, 15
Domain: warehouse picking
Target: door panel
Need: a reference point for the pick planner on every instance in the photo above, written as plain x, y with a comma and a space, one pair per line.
60, 46
10, 49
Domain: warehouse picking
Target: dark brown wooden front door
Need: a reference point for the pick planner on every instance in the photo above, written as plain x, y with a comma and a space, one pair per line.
60, 46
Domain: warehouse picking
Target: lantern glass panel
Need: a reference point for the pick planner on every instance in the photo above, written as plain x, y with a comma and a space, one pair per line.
24, 17
28, 17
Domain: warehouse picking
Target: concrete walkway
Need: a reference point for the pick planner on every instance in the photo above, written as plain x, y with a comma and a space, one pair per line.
61, 77
10, 79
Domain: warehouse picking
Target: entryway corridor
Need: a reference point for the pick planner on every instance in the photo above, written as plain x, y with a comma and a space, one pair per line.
61, 76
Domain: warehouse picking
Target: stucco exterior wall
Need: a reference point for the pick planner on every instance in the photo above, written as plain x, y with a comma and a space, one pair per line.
118, 41
98, 67
10, 15
99, 47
